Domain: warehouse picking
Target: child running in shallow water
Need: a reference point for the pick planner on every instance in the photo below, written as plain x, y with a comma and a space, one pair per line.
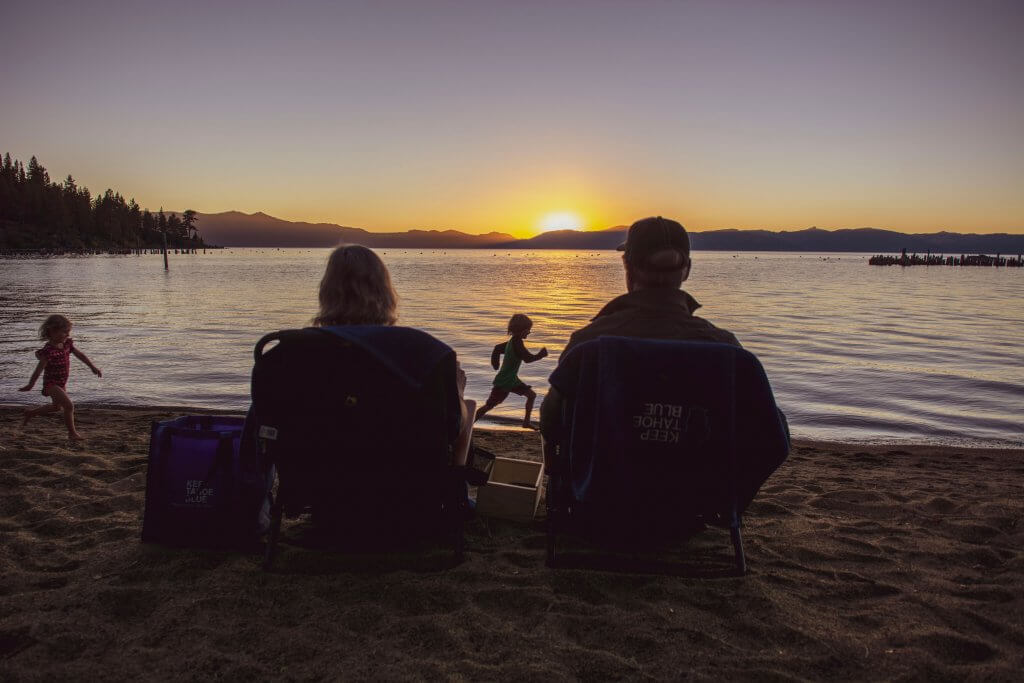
55, 365
507, 380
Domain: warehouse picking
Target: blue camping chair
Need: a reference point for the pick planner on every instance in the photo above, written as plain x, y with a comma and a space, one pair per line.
360, 422
659, 438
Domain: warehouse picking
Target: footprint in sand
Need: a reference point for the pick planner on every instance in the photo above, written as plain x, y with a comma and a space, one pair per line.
979, 534
954, 649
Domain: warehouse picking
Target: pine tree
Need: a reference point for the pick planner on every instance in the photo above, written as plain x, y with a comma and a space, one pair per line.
37, 174
7, 189
134, 222
189, 220
174, 229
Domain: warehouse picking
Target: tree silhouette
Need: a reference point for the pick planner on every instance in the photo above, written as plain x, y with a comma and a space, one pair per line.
38, 213
189, 219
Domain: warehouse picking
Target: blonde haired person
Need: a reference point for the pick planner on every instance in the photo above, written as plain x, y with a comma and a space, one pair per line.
55, 366
356, 289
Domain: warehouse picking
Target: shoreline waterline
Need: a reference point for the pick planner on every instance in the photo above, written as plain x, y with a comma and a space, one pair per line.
854, 354
513, 427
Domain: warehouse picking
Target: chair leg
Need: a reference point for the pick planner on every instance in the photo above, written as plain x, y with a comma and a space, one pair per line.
459, 542
276, 512
737, 544
550, 559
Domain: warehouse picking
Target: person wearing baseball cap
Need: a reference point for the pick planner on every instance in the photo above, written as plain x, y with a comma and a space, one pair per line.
657, 251
656, 260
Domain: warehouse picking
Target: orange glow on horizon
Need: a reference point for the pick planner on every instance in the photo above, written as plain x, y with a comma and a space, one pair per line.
560, 220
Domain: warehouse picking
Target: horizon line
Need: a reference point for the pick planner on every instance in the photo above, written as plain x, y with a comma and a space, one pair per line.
622, 226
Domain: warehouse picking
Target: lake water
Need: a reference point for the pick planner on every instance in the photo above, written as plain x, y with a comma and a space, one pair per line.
854, 352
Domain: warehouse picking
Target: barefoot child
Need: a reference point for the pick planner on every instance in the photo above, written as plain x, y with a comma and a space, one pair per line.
55, 364
507, 380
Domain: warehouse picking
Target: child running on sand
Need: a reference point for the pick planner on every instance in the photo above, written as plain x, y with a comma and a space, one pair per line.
507, 380
55, 364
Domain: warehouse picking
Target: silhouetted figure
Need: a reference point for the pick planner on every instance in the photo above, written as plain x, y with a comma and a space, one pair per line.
356, 290
656, 261
507, 380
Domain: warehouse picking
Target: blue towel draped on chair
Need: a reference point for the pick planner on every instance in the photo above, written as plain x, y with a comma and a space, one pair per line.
660, 434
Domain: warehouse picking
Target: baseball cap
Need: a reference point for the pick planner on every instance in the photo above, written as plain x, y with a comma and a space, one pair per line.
650, 236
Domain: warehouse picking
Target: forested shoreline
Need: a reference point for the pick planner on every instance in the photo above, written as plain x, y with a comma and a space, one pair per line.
37, 213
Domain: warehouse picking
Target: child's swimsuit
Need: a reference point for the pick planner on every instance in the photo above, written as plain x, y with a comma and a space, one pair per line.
507, 380
508, 375
58, 364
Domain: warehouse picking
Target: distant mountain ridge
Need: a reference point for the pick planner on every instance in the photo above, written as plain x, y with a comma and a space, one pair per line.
236, 229
811, 239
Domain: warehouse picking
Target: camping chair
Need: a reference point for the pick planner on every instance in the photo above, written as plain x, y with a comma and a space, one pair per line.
657, 439
360, 423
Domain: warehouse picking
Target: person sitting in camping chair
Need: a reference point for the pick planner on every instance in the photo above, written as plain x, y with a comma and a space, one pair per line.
656, 411
656, 261
364, 420
356, 289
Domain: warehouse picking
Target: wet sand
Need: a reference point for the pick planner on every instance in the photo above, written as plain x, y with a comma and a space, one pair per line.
865, 563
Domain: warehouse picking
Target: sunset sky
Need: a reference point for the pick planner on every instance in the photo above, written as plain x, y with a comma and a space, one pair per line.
513, 116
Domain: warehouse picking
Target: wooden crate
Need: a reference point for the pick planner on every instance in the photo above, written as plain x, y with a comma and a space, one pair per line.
513, 490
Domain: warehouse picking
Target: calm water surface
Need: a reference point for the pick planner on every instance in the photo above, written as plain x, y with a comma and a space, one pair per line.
854, 352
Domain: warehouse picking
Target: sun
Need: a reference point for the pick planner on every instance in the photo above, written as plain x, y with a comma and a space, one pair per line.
561, 220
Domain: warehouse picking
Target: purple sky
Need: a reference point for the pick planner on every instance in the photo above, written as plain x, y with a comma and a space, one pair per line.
481, 115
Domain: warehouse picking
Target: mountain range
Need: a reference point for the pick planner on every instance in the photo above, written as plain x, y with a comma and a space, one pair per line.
236, 229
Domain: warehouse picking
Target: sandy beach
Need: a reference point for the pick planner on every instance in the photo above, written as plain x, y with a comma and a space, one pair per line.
865, 563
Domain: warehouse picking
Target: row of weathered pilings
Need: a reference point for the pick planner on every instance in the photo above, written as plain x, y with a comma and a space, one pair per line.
929, 259
57, 251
